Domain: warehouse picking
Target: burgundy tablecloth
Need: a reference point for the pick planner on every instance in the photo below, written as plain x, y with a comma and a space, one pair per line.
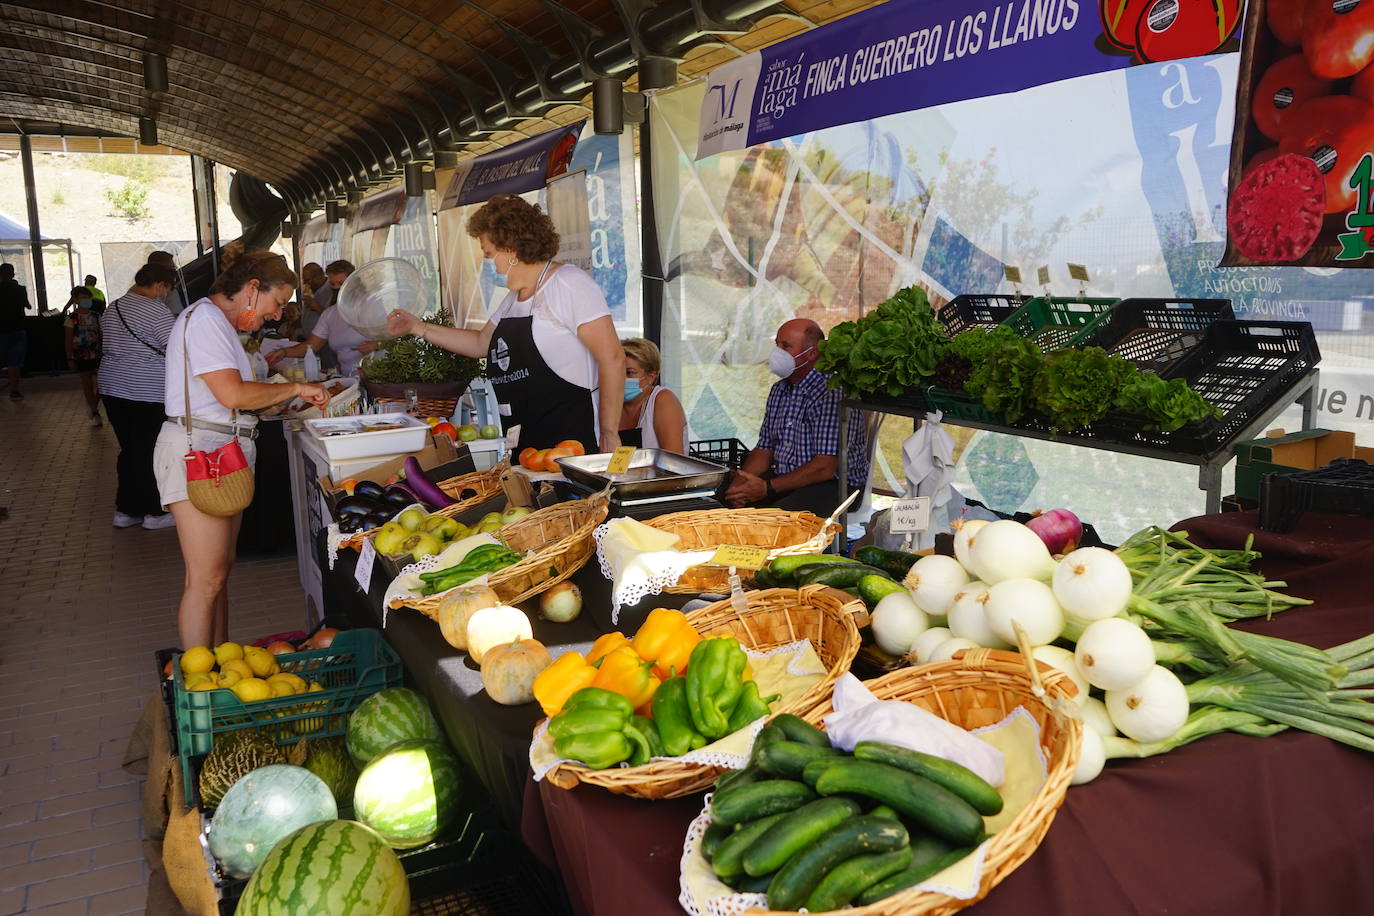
1227, 825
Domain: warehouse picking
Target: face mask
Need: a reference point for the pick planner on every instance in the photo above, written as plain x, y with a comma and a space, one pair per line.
631, 389
781, 363
83, 303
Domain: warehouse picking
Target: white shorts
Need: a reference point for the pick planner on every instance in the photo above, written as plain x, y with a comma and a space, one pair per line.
169, 465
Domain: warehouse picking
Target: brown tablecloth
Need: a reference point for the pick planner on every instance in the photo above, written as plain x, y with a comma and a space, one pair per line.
1227, 825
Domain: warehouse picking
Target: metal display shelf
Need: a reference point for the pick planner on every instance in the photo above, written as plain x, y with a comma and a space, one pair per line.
1209, 466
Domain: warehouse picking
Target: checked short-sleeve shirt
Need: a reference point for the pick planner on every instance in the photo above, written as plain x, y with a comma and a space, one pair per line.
802, 421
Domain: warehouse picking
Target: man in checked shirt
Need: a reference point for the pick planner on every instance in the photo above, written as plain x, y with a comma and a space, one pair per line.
795, 464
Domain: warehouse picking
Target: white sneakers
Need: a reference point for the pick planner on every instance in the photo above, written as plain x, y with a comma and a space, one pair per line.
154, 522
126, 521
95, 420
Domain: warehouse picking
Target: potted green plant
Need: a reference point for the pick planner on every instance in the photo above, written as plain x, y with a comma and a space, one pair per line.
411, 363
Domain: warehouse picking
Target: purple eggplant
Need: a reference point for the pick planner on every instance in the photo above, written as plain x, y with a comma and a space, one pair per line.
422, 486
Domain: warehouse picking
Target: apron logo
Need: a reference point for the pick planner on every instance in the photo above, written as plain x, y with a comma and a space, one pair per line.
502, 355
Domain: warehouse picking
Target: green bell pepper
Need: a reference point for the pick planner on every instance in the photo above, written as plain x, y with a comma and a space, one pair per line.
586, 719
598, 750
674, 718
599, 698
640, 751
751, 706
714, 684
649, 730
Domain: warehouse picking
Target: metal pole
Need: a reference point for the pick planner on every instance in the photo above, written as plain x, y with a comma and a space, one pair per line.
40, 282
195, 203
213, 207
654, 73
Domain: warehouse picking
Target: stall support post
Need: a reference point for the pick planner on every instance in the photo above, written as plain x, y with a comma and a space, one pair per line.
842, 538
654, 73
40, 282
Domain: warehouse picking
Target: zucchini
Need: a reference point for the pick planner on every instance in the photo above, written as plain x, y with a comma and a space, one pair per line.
815, 768
728, 861
873, 589
846, 880
795, 728
932, 806
836, 576
712, 838
960, 780
914, 873
896, 563
763, 579
884, 811
742, 777
797, 830
795, 881
788, 758
749, 884
740, 804
784, 569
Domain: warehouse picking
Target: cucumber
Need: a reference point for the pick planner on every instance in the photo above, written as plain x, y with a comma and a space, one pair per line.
712, 838
766, 736
749, 884
960, 780
932, 806
852, 876
795, 728
738, 805
815, 768
784, 569
914, 873
742, 777
795, 832
788, 758
836, 576
795, 881
873, 589
896, 563
728, 861
884, 811
763, 579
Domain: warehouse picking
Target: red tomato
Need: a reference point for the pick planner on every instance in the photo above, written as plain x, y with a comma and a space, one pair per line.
1338, 37
1175, 29
1285, 86
446, 428
1335, 132
1285, 20
1259, 159
1118, 20
1363, 86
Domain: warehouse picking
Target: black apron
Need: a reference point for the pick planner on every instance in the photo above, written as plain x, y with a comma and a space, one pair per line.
547, 407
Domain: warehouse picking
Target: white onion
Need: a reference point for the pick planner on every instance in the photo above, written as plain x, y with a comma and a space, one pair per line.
1096, 717
933, 580
1063, 660
965, 532
1009, 550
968, 617
1153, 709
945, 650
1092, 756
1114, 654
1028, 602
561, 603
928, 642
896, 622
1092, 583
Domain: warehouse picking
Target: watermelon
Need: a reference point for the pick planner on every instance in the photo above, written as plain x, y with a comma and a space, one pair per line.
337, 867
409, 794
234, 756
328, 759
263, 807
388, 717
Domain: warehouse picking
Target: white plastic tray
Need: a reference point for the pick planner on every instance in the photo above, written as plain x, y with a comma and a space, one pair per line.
351, 438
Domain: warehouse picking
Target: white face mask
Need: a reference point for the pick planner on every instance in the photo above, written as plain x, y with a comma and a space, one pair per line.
783, 364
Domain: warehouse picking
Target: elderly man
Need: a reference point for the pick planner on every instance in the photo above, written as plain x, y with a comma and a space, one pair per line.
316, 295
795, 465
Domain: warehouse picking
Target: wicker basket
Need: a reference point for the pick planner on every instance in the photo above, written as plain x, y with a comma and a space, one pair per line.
981, 687
781, 532
481, 485
560, 535
776, 616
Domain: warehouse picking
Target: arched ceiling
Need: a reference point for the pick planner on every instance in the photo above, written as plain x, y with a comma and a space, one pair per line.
320, 97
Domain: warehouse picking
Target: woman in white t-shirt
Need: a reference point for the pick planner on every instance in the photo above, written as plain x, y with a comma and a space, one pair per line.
204, 345
347, 344
653, 416
553, 356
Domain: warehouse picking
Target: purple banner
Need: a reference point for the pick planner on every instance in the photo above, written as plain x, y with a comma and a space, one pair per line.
515, 169
910, 54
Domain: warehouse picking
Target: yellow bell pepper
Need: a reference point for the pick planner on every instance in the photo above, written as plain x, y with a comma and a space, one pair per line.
561, 680
605, 644
625, 673
667, 640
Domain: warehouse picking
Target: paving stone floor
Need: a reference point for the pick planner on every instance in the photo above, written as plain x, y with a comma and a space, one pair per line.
82, 608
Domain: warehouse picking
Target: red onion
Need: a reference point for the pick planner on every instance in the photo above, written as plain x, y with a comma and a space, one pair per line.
1060, 529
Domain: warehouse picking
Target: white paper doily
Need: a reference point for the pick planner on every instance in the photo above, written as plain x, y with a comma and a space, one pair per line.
648, 573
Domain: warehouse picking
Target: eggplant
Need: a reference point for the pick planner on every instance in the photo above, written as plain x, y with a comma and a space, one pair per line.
423, 486
352, 524
369, 488
400, 496
357, 505
379, 518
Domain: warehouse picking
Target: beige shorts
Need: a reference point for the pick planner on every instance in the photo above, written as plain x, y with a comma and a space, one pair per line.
169, 466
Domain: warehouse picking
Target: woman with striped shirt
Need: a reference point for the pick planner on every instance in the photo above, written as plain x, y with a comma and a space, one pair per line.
135, 329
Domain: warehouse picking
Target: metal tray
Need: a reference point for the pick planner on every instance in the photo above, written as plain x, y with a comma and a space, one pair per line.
652, 472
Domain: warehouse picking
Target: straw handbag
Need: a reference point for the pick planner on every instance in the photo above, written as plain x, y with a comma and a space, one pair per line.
219, 482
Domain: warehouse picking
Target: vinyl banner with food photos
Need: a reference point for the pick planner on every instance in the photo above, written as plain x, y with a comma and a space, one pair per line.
1302, 154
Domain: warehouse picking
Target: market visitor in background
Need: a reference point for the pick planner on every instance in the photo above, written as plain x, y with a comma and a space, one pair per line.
653, 416
133, 332
204, 344
81, 340
553, 357
331, 331
97, 296
316, 295
795, 464
176, 297
14, 304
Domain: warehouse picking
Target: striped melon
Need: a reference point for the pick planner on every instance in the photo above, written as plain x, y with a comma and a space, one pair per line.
262, 808
409, 794
388, 717
339, 868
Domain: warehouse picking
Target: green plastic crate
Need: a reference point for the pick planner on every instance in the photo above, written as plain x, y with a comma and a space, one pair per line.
1053, 321
960, 406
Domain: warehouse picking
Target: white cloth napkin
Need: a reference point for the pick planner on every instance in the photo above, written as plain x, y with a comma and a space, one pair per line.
640, 560
928, 460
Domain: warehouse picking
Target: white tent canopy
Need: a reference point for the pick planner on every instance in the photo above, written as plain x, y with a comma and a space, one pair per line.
16, 248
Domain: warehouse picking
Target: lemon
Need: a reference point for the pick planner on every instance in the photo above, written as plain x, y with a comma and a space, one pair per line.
238, 665
260, 660
294, 681
204, 685
228, 651
200, 677
231, 676
280, 688
252, 689
197, 660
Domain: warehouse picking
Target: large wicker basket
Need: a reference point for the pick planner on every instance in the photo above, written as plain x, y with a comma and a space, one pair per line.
781, 532
470, 491
775, 617
561, 538
981, 687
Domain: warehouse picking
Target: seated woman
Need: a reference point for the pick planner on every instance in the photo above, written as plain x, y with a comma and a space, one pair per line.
653, 416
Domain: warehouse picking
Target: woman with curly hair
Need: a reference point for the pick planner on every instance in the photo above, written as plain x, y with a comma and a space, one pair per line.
553, 357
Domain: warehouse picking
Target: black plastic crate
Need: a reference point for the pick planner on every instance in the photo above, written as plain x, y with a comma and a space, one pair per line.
505, 880
913, 399
161, 657
1154, 334
977, 311
729, 452
1343, 487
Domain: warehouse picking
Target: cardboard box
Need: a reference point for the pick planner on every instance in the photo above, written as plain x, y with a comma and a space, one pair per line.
1280, 453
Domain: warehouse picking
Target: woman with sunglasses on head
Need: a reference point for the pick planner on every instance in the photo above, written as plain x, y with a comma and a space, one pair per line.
204, 347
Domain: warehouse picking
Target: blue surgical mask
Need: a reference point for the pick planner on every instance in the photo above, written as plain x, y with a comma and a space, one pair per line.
83, 303
631, 389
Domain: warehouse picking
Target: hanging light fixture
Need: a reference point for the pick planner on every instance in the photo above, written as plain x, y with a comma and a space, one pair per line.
147, 131
331, 211
154, 72
608, 105
419, 178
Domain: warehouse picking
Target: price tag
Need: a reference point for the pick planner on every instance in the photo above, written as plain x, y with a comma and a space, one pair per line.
512, 437
1043, 274
1078, 272
620, 460
740, 557
1012, 274
910, 515
363, 572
